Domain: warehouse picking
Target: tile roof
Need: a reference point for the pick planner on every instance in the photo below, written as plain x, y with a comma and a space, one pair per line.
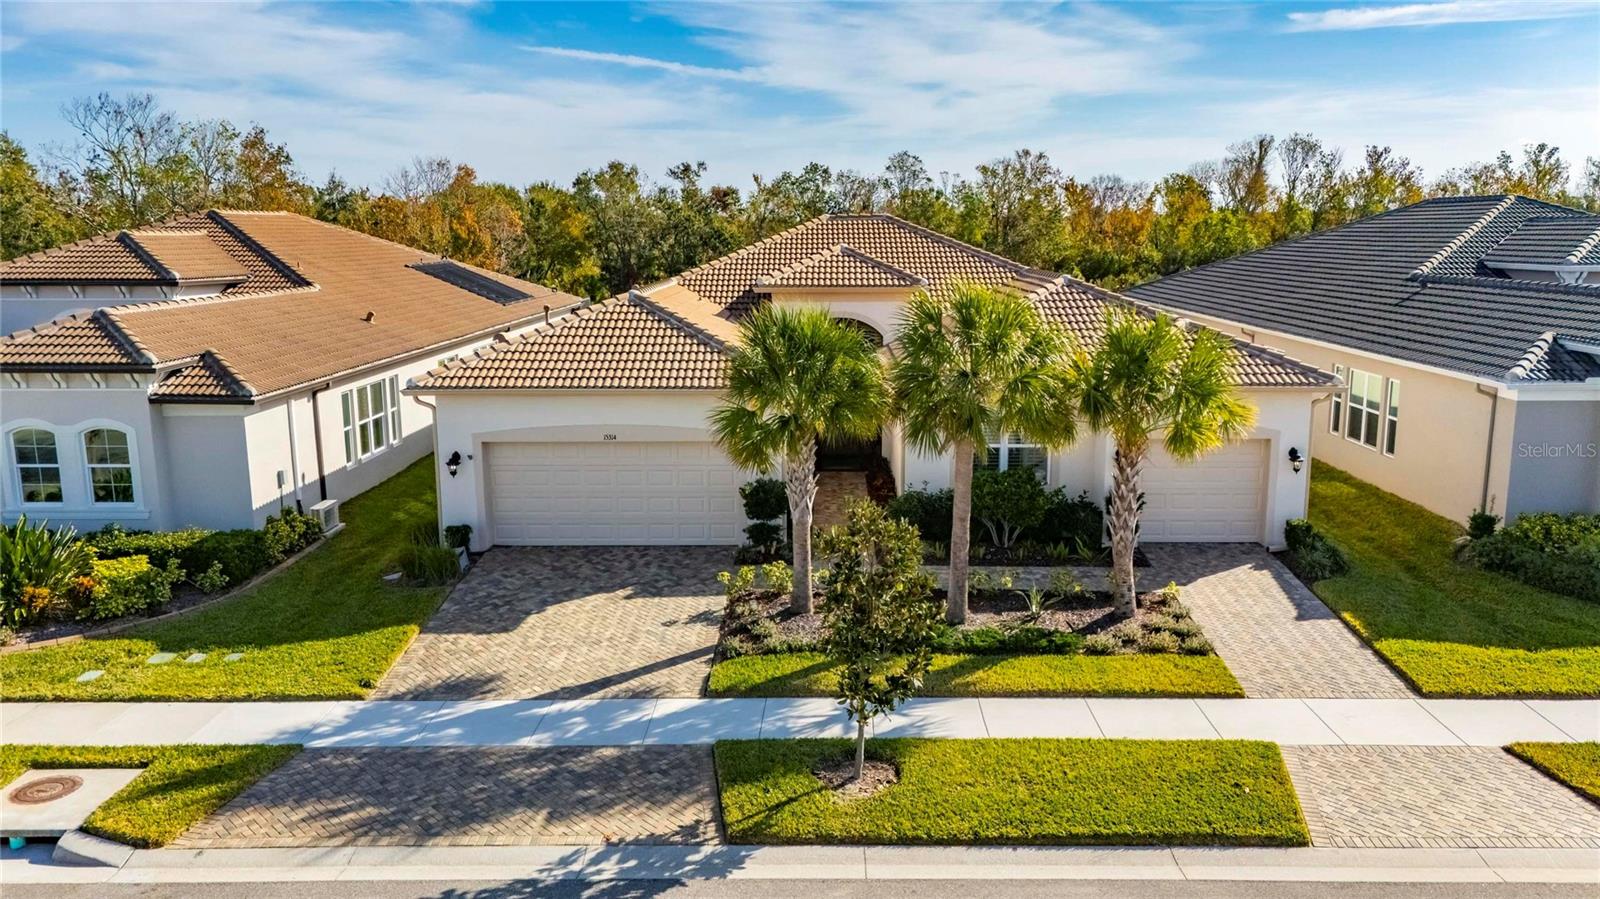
301, 315
108, 258
1551, 240
190, 256
208, 377
1406, 283
840, 266
673, 335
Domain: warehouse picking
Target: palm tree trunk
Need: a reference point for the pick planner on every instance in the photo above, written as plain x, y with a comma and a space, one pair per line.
960, 531
1124, 528
800, 482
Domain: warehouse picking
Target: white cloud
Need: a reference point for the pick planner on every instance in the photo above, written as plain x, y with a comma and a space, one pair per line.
630, 61
1449, 12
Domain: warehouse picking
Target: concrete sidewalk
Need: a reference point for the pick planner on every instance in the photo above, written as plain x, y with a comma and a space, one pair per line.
32, 865
627, 722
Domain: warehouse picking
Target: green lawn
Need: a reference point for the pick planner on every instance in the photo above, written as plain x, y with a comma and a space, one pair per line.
1101, 792
808, 674
327, 628
1575, 764
180, 785
1451, 629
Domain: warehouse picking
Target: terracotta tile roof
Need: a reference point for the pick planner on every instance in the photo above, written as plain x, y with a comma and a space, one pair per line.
307, 321
190, 256
88, 340
840, 266
208, 377
113, 258
644, 340
624, 343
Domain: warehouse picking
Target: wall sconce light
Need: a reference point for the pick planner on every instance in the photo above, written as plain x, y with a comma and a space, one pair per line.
453, 464
1296, 461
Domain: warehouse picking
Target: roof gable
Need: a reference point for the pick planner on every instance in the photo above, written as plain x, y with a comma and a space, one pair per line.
840, 266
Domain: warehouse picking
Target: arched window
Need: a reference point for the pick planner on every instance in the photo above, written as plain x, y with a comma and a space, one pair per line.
105, 451
38, 466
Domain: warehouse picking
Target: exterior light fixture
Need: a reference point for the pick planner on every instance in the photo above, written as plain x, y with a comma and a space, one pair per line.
453, 464
1296, 461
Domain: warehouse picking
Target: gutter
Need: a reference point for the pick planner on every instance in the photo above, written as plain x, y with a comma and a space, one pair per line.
316, 437
1488, 450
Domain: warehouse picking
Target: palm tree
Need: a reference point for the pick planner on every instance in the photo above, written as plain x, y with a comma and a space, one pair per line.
974, 362
796, 376
1149, 376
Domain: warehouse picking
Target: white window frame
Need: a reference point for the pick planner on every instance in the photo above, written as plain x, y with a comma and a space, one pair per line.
1370, 410
1391, 416
383, 411
1336, 413
1008, 441
90, 466
17, 465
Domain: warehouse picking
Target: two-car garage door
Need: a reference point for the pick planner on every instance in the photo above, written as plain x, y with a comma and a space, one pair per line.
613, 493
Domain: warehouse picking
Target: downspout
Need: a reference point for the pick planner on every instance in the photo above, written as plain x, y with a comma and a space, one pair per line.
438, 495
294, 455
1488, 450
316, 436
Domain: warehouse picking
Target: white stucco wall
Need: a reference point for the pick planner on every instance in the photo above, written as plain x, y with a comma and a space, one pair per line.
25, 306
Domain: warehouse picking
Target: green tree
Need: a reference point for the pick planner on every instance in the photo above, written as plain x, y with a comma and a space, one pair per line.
557, 249
796, 377
625, 226
976, 361
1150, 377
30, 220
879, 615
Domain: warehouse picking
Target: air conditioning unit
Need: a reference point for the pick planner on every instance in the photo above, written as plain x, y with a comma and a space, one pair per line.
327, 512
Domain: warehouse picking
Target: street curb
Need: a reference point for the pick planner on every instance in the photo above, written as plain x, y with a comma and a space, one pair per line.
79, 848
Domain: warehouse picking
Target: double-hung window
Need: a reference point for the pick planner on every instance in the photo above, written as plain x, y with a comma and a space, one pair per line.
371, 418
33, 450
1364, 417
1391, 417
1007, 451
1336, 418
110, 462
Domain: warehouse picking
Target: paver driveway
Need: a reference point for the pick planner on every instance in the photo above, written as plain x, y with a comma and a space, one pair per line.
570, 622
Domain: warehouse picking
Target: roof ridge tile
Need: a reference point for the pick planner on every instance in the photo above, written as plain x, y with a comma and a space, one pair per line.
1421, 272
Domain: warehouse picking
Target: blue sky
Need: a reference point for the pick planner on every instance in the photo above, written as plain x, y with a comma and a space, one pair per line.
530, 91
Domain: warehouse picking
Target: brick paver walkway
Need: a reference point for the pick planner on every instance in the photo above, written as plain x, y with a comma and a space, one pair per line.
1435, 796
471, 797
836, 490
570, 622
1275, 635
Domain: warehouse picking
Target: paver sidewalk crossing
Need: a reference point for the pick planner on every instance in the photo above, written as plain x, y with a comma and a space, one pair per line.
624, 722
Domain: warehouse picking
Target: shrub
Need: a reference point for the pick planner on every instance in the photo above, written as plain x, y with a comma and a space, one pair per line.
765, 499
1158, 642
35, 556
1063, 584
128, 585
764, 537
458, 536
429, 566
1311, 555
423, 533
1074, 522
242, 554
778, 576
160, 547
1104, 644
735, 583
288, 532
930, 512
1481, 524
1574, 572
1548, 532
212, 579
1008, 503
1195, 645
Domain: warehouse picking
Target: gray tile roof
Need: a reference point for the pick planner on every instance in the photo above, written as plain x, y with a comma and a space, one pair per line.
1551, 240
1409, 283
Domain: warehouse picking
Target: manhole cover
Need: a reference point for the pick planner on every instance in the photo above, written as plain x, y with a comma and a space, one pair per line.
46, 789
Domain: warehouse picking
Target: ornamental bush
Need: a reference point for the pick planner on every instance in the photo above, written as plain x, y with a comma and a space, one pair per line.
160, 547
128, 585
430, 566
41, 563
1311, 555
288, 532
1008, 503
929, 511
242, 554
1075, 522
1568, 568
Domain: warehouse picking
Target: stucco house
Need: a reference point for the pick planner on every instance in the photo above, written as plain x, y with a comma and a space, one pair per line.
1467, 329
592, 429
217, 367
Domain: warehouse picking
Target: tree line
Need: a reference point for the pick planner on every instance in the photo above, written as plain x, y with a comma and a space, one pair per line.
613, 227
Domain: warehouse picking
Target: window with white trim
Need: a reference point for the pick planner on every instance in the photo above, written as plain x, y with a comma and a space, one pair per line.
1364, 417
1336, 417
110, 463
1391, 417
1007, 451
371, 418
33, 452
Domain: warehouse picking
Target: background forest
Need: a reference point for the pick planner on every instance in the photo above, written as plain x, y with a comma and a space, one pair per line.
613, 227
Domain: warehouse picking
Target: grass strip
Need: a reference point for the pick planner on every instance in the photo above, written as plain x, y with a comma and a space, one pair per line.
1575, 764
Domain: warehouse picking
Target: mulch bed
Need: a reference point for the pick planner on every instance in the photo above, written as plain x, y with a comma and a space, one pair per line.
183, 597
840, 776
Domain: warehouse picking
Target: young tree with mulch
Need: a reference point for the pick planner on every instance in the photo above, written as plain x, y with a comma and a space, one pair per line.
879, 615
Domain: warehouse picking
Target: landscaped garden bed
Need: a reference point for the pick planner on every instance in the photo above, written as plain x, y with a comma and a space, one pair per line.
1012, 792
327, 627
1448, 626
1575, 764
179, 786
1052, 641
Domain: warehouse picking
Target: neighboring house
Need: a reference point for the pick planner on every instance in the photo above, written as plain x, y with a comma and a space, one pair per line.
593, 429
1468, 331
217, 367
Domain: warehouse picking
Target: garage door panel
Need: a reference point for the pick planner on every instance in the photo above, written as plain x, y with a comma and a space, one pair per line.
613, 493
1219, 497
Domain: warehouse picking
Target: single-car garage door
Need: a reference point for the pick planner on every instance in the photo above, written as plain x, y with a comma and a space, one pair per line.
1216, 498
613, 493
